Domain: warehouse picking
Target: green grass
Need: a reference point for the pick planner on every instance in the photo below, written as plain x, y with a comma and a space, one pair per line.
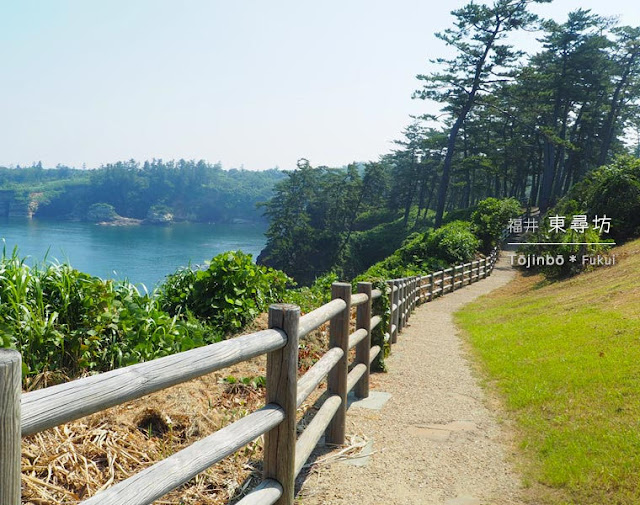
565, 357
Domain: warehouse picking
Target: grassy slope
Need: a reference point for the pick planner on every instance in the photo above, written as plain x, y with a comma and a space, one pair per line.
565, 357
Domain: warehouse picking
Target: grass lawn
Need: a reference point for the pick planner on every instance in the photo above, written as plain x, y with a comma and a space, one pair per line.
565, 358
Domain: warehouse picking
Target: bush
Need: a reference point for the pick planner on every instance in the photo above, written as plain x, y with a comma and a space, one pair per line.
232, 291
459, 215
99, 212
368, 247
69, 322
491, 217
566, 250
452, 243
374, 217
312, 297
612, 190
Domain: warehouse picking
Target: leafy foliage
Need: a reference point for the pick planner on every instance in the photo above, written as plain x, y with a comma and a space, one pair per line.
453, 243
313, 296
565, 250
229, 293
313, 217
189, 190
101, 212
612, 190
67, 321
481, 60
428, 251
491, 217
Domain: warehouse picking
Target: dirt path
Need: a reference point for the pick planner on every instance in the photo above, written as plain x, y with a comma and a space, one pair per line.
434, 441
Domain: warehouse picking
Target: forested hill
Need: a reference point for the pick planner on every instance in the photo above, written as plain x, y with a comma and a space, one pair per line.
175, 190
511, 124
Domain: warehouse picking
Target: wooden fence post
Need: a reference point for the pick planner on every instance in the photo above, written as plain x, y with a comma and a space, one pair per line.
412, 297
430, 286
337, 380
10, 428
363, 320
407, 300
400, 305
391, 297
282, 389
404, 303
396, 317
413, 293
407, 296
407, 306
485, 268
442, 276
393, 314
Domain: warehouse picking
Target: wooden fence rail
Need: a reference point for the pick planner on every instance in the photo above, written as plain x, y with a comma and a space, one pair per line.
285, 455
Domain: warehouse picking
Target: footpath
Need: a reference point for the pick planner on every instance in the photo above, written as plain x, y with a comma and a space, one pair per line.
428, 432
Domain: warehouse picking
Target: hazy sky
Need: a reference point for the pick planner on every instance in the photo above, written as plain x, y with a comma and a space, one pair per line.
250, 83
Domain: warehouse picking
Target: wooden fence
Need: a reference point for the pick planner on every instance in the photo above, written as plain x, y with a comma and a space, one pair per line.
23, 414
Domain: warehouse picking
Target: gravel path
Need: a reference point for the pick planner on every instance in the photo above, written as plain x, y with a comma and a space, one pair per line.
435, 441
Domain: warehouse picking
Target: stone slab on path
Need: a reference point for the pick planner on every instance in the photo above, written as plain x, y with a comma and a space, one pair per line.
375, 401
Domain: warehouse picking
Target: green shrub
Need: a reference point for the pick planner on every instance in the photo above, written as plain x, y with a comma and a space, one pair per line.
232, 291
491, 217
374, 217
99, 212
368, 247
612, 190
459, 215
380, 307
69, 322
566, 250
452, 243
312, 297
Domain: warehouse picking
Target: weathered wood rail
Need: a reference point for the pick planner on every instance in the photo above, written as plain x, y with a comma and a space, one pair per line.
23, 414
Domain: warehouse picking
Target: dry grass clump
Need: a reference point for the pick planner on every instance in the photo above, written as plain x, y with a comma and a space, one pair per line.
70, 463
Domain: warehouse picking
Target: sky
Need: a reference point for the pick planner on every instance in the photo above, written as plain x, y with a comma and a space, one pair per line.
250, 84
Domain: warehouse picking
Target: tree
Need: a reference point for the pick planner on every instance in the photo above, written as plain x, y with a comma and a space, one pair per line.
573, 70
290, 237
626, 60
481, 61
